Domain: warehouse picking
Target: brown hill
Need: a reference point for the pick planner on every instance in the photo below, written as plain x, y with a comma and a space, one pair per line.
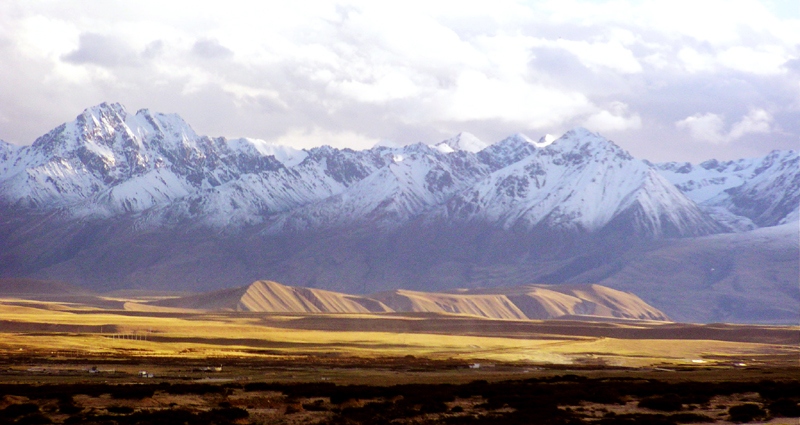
547, 301
518, 303
268, 296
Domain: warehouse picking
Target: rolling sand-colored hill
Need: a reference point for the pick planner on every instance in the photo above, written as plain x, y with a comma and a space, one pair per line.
268, 296
548, 301
518, 303
496, 306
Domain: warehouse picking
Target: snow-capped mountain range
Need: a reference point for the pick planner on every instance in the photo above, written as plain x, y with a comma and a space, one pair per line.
747, 193
583, 182
120, 200
109, 162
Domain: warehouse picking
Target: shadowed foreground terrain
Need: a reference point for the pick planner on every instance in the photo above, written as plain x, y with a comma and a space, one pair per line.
555, 399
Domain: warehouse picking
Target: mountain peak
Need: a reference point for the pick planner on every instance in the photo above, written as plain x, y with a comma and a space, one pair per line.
580, 141
105, 106
103, 112
518, 138
462, 142
171, 125
582, 132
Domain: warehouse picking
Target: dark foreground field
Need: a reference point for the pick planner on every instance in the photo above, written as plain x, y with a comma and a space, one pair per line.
410, 390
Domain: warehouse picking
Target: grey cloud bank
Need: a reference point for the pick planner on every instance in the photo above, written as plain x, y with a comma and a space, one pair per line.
666, 80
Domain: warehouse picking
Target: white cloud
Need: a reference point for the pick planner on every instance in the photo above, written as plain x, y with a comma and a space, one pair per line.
390, 86
479, 97
694, 61
612, 55
704, 127
316, 136
757, 121
615, 118
755, 61
760, 61
48, 37
417, 68
713, 22
718, 22
709, 127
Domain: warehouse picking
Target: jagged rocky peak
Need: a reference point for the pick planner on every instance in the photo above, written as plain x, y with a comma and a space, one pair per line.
508, 151
108, 133
771, 196
102, 114
95, 124
346, 166
518, 138
168, 127
132, 162
582, 182
582, 142
757, 192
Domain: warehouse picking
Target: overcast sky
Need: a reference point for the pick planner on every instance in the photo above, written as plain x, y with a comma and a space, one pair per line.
667, 80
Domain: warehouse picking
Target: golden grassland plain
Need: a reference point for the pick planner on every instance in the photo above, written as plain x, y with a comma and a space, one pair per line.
36, 328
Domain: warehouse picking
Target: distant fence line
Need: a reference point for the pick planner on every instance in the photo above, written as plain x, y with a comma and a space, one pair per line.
130, 336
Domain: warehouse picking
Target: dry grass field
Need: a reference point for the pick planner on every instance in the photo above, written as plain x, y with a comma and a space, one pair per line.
247, 367
35, 328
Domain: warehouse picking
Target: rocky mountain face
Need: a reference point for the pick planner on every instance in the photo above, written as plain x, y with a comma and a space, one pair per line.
747, 193
581, 182
115, 200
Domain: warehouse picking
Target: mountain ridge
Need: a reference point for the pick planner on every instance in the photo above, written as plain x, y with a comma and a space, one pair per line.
142, 201
109, 162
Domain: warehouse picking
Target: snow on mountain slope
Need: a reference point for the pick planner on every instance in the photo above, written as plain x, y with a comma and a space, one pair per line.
109, 162
581, 182
746, 193
462, 142
507, 151
287, 155
252, 198
772, 195
417, 178
6, 152
83, 158
156, 187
